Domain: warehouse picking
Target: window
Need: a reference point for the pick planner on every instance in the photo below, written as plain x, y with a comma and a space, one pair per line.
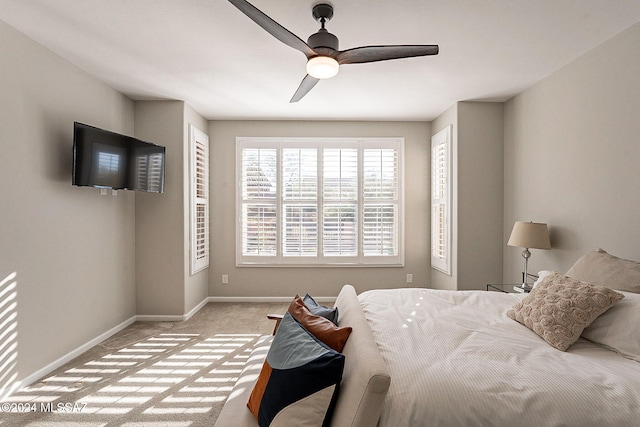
312, 201
199, 189
440, 201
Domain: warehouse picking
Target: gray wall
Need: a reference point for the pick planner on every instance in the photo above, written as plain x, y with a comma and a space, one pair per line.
572, 156
476, 202
480, 184
164, 286
72, 249
322, 281
160, 217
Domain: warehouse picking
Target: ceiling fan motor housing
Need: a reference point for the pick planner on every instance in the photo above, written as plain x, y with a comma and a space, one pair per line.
323, 38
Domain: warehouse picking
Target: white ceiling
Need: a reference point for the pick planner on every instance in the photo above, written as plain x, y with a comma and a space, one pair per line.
207, 53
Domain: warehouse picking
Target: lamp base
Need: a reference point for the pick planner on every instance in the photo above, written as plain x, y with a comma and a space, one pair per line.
526, 255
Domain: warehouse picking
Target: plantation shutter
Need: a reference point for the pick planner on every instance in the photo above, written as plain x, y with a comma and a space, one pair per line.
380, 204
259, 210
199, 200
440, 194
340, 202
300, 201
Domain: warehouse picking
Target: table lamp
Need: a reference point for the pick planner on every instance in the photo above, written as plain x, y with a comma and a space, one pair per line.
529, 235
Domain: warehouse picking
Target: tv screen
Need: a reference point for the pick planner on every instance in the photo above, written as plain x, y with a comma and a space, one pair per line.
105, 159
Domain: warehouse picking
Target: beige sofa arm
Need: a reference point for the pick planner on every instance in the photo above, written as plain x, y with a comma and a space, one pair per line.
365, 379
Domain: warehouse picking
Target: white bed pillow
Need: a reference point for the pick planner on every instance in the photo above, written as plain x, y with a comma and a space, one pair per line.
618, 328
541, 275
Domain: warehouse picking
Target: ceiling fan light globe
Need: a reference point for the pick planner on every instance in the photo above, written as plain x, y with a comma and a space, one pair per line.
322, 67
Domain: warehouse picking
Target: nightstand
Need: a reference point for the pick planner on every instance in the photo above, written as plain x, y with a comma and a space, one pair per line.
508, 288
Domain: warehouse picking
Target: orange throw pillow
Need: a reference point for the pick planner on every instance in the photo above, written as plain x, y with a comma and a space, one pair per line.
321, 328
258, 390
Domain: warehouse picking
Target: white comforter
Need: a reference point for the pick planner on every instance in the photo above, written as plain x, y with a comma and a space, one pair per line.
456, 359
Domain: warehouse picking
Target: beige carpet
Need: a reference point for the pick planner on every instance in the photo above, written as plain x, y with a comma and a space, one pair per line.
169, 374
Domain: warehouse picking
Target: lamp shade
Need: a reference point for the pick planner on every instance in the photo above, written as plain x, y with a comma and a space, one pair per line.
530, 235
322, 67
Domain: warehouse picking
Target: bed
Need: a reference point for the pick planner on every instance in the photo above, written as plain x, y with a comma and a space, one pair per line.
456, 359
421, 357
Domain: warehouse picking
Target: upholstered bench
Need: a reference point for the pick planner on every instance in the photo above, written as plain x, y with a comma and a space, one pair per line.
365, 379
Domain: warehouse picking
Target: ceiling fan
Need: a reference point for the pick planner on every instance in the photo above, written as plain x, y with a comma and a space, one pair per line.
323, 57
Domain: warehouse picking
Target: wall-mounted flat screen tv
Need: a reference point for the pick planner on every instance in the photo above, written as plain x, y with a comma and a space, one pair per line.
105, 159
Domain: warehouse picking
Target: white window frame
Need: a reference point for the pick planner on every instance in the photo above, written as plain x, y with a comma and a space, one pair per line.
319, 259
441, 256
199, 200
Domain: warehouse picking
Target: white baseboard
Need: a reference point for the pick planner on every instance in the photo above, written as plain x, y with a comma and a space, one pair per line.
160, 317
172, 317
267, 299
74, 353
40, 373
195, 309
249, 299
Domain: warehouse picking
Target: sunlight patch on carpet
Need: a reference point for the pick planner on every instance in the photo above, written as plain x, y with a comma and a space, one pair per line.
164, 380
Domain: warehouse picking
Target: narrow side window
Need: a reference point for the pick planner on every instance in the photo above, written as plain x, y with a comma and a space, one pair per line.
199, 189
441, 201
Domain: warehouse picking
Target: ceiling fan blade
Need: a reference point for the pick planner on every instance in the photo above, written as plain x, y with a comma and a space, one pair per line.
364, 54
272, 27
305, 86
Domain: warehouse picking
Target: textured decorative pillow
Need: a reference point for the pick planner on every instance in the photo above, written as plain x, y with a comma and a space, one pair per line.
320, 327
606, 270
618, 328
330, 313
560, 307
299, 380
